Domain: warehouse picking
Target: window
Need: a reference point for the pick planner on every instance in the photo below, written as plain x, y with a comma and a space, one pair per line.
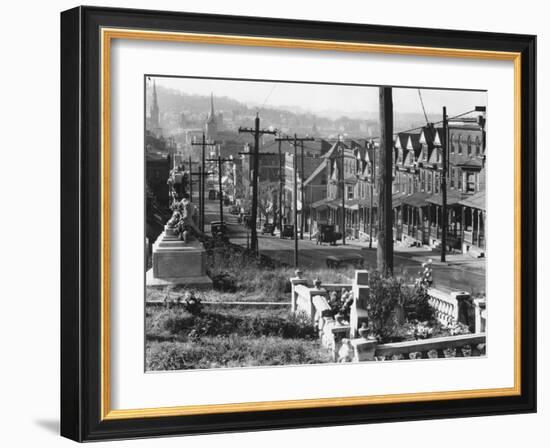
469, 145
422, 180
436, 183
470, 185
350, 192
452, 177
454, 142
459, 179
478, 146
429, 182
460, 144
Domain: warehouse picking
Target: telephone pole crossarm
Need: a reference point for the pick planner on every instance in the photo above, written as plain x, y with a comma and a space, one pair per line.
257, 132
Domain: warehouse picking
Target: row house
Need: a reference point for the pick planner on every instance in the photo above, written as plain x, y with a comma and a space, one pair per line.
349, 169
417, 197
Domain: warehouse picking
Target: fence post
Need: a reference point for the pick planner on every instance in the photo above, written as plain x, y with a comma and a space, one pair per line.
358, 312
480, 314
294, 281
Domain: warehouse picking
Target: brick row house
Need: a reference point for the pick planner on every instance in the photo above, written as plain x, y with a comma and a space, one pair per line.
417, 197
350, 170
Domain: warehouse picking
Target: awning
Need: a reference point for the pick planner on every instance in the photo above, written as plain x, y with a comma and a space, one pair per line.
475, 201
453, 198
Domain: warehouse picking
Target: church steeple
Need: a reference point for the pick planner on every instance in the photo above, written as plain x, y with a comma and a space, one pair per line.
211, 121
155, 113
212, 115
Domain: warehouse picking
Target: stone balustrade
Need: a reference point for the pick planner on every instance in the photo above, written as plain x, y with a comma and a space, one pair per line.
342, 337
450, 346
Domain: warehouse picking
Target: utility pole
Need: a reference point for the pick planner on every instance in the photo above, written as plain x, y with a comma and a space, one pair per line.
219, 160
280, 192
372, 180
201, 175
384, 253
294, 140
190, 179
203, 144
253, 213
343, 182
444, 187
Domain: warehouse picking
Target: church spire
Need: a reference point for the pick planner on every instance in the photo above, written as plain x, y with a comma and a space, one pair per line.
155, 101
212, 115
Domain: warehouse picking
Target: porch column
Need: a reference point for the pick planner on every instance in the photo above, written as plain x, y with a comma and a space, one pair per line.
462, 222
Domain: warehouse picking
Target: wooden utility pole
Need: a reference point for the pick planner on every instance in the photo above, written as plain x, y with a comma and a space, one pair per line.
294, 141
302, 172
372, 180
203, 144
384, 253
256, 166
190, 179
343, 183
201, 175
220, 161
281, 186
444, 187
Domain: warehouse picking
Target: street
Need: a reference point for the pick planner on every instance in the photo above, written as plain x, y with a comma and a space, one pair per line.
468, 276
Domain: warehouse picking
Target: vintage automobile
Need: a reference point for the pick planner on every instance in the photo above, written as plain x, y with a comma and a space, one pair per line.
338, 261
288, 231
218, 229
268, 228
326, 234
213, 194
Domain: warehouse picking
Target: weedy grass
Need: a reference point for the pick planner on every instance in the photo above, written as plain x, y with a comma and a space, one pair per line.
233, 351
228, 336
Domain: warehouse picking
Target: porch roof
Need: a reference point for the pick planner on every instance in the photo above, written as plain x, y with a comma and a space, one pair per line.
453, 198
397, 199
477, 200
417, 199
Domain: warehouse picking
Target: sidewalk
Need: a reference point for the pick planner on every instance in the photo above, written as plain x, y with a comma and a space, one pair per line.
421, 254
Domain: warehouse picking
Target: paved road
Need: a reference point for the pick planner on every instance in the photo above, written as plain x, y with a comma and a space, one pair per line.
469, 278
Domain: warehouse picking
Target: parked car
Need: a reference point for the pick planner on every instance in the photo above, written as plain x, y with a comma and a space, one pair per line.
288, 231
213, 194
218, 229
234, 210
338, 261
326, 234
268, 228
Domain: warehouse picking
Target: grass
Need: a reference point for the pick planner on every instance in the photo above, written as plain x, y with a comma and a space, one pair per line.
223, 336
233, 351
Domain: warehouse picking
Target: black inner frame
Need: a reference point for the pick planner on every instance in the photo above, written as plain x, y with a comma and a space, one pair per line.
81, 223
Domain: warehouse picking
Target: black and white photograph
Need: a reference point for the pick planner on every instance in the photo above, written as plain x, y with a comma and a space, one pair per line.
292, 223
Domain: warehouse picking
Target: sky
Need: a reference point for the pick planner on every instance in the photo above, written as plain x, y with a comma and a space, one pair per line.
326, 99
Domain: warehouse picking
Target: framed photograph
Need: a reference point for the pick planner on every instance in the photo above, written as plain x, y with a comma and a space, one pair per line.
276, 224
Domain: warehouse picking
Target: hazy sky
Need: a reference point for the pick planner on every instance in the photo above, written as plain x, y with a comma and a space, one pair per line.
328, 99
